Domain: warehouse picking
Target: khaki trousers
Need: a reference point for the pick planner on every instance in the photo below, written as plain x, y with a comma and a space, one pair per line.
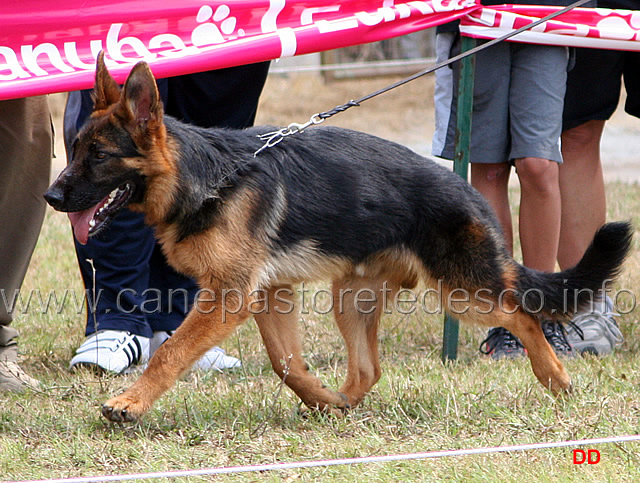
26, 149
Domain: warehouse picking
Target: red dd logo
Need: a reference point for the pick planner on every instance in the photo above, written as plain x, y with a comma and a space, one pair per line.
590, 456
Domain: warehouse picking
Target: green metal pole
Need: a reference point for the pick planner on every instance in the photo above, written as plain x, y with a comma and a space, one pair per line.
460, 166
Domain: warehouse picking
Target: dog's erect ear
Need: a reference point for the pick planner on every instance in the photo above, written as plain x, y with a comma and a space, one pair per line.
140, 95
106, 90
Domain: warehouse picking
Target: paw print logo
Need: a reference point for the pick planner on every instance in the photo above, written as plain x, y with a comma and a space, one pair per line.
213, 25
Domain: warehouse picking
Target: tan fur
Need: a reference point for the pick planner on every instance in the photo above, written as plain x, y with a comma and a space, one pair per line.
226, 253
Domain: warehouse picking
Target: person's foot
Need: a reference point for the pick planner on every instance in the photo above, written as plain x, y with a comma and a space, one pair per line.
502, 344
14, 379
112, 351
215, 359
556, 336
595, 331
218, 360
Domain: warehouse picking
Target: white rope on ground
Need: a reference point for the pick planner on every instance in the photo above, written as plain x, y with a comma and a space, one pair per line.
345, 461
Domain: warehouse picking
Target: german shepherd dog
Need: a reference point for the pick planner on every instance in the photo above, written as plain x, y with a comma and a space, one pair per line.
327, 204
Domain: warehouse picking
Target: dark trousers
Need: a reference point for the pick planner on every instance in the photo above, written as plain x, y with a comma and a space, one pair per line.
135, 288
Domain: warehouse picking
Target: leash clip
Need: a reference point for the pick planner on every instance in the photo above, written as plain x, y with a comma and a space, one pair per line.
295, 127
274, 137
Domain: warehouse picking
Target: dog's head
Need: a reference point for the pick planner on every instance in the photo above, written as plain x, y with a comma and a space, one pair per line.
116, 153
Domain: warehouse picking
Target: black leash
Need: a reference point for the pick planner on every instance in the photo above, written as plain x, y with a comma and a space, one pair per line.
273, 138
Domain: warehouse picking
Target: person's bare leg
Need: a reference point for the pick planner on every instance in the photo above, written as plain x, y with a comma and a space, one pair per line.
492, 181
540, 207
582, 190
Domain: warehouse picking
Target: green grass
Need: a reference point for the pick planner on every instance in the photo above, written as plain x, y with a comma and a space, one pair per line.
240, 418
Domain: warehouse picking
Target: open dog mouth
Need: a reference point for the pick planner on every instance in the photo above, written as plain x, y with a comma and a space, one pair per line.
91, 221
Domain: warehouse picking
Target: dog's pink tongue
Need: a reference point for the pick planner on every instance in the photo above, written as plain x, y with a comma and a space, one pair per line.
80, 222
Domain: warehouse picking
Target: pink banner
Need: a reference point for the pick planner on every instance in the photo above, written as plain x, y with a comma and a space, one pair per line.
582, 27
48, 47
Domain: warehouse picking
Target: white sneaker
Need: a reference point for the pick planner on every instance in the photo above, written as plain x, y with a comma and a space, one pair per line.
112, 350
595, 331
214, 359
218, 360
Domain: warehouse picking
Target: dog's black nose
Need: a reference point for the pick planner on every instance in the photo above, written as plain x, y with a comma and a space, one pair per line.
54, 196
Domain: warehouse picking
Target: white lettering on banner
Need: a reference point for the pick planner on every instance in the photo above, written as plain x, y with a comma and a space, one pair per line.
373, 18
268, 22
215, 25
591, 28
577, 30
488, 17
422, 7
617, 28
114, 46
446, 6
326, 26
71, 54
634, 21
11, 64
96, 47
30, 58
306, 18
403, 10
390, 13
179, 49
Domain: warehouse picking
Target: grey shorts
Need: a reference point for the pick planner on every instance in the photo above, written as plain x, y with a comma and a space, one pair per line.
518, 101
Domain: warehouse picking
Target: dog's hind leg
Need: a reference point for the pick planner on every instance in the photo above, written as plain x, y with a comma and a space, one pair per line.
357, 308
278, 325
206, 326
544, 362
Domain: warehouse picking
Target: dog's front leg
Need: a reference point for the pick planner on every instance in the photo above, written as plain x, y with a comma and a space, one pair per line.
205, 326
278, 323
544, 362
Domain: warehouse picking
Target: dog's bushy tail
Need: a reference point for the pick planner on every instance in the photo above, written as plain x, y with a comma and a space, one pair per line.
562, 294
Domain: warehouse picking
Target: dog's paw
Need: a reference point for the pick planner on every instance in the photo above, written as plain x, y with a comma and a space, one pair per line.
123, 409
564, 389
338, 406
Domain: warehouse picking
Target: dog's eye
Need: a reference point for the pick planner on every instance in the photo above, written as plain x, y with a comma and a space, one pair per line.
102, 155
